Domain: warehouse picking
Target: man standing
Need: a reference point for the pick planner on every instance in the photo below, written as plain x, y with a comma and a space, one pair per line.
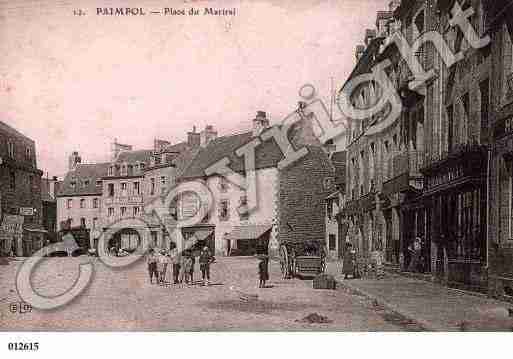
175, 258
205, 259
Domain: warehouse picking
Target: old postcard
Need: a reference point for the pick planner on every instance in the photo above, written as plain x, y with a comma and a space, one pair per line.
268, 165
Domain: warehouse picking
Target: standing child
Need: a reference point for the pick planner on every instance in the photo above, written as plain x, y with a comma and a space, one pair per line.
162, 266
151, 259
263, 271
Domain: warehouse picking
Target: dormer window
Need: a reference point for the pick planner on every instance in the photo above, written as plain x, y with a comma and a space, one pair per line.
73, 184
86, 183
10, 148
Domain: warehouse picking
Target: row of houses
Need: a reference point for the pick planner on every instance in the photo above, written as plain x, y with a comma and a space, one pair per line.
27, 199
441, 170
103, 197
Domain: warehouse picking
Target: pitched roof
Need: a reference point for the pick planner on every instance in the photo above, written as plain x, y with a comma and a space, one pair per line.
134, 156
268, 154
84, 172
13, 132
177, 147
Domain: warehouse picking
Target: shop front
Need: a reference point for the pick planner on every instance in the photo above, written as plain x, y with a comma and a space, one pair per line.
455, 200
199, 236
249, 240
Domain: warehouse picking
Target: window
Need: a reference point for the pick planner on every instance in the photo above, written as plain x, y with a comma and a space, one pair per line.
28, 154
329, 209
243, 209
123, 170
73, 184
86, 183
95, 222
130, 170
123, 186
419, 23
111, 189
69, 204
99, 183
123, 211
484, 88
142, 165
450, 127
163, 181
95, 203
31, 182
224, 210
137, 188
152, 186
153, 243
111, 171
136, 211
110, 212
223, 184
82, 222
12, 180
332, 242
82, 203
10, 148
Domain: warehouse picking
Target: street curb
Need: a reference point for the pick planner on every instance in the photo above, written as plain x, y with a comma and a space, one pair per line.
425, 324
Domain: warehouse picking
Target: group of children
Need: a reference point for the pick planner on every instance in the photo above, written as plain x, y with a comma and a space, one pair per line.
182, 265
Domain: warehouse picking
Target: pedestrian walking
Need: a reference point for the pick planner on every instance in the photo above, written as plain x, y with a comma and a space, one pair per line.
348, 262
205, 260
263, 270
151, 259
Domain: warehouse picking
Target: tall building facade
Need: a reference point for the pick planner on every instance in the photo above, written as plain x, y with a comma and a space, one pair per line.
21, 233
500, 232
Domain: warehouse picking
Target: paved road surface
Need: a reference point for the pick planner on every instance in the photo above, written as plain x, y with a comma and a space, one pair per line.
125, 300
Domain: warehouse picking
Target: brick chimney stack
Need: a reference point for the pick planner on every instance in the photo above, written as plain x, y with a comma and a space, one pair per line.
73, 161
193, 138
260, 122
207, 135
360, 49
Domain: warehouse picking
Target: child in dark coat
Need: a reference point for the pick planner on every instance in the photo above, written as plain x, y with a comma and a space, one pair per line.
263, 271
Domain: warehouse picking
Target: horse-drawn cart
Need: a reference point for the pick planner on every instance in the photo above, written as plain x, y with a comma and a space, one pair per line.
306, 258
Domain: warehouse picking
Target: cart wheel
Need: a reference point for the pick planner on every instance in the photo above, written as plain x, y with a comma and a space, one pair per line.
284, 262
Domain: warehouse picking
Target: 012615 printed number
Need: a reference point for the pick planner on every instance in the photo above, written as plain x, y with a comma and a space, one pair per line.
20, 346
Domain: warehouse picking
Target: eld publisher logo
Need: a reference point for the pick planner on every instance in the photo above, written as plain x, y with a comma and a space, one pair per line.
20, 308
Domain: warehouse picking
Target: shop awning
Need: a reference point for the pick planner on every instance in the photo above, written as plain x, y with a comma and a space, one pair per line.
202, 234
248, 232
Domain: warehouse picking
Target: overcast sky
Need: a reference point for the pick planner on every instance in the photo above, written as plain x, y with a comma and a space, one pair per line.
77, 82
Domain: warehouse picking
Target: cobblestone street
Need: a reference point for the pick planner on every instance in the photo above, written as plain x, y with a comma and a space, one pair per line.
124, 300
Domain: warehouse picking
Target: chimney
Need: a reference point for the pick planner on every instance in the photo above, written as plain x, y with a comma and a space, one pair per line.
73, 161
193, 138
207, 135
393, 5
382, 20
260, 123
360, 49
116, 148
369, 36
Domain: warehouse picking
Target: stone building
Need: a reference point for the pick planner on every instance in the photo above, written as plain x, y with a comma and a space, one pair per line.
290, 205
21, 232
49, 191
500, 233
372, 217
79, 197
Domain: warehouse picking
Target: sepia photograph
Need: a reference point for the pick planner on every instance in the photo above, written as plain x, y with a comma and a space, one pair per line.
313, 166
